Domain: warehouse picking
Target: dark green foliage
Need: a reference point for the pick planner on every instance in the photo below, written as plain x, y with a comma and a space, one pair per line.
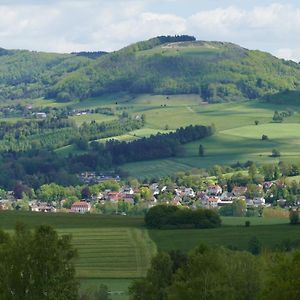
156, 146
158, 278
201, 150
37, 265
264, 137
282, 280
207, 273
247, 223
294, 217
254, 246
167, 215
277, 117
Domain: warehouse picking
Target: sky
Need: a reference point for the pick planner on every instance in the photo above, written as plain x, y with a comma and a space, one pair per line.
108, 25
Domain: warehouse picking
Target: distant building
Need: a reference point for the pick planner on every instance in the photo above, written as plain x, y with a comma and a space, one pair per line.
80, 207
214, 190
239, 191
41, 115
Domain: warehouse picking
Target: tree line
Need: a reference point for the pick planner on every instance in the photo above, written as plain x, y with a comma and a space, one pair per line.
165, 216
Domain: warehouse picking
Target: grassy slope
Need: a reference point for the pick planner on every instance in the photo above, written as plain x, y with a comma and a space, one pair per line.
237, 138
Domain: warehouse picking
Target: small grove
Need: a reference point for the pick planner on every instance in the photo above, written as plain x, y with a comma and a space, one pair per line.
166, 216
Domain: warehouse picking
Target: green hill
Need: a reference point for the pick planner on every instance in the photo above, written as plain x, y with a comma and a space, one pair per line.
164, 65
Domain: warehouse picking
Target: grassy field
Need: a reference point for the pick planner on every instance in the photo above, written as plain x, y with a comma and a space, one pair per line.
236, 139
115, 249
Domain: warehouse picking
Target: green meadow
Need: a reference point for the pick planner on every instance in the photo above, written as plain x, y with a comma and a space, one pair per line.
116, 249
237, 137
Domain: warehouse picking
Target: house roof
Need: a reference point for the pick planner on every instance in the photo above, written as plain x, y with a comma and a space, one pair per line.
80, 204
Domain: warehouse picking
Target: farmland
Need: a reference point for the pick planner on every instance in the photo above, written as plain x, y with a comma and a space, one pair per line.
115, 249
237, 137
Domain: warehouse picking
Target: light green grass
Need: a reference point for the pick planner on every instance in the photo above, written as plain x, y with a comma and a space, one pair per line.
270, 233
92, 117
112, 252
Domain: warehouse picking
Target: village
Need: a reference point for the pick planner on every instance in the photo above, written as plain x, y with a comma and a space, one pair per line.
136, 199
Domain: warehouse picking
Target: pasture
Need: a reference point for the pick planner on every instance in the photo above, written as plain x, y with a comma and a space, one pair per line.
236, 139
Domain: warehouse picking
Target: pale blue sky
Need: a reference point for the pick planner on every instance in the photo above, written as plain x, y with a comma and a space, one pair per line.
74, 25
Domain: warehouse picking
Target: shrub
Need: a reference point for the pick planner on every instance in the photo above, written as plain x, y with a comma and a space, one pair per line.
294, 217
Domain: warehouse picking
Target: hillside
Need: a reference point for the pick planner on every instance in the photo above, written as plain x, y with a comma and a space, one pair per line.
164, 65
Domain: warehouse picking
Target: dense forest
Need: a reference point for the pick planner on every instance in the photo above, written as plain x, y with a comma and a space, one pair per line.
162, 65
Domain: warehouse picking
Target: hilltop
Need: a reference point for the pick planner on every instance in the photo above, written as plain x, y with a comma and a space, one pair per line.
217, 71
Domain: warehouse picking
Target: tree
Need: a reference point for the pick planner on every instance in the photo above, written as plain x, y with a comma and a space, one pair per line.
256, 122
216, 274
282, 280
37, 265
264, 137
254, 246
252, 171
294, 217
277, 117
239, 208
201, 150
85, 193
276, 153
158, 278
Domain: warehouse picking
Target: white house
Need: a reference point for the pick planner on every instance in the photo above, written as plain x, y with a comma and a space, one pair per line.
214, 190
80, 207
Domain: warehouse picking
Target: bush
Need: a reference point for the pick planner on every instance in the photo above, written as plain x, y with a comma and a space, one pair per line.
247, 224
294, 217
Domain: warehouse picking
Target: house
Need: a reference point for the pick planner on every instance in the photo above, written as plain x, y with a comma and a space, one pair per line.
176, 201
189, 192
267, 185
127, 190
213, 202
41, 115
258, 201
154, 188
80, 207
214, 190
226, 196
238, 191
42, 207
128, 198
113, 196
224, 203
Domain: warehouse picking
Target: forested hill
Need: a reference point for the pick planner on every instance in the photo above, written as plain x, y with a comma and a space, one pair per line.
163, 65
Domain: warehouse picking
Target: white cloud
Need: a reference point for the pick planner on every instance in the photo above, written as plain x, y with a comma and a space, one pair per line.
73, 25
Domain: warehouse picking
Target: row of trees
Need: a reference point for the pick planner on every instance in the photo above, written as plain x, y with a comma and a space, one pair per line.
58, 132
